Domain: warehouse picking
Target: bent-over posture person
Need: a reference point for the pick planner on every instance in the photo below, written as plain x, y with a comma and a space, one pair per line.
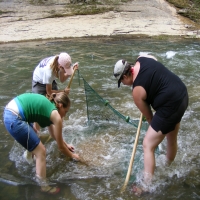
153, 85
48, 70
22, 111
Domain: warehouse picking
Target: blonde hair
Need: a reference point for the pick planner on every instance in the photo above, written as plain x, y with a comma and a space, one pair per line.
54, 66
60, 97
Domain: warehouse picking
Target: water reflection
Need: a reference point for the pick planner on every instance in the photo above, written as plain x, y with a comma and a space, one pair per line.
106, 150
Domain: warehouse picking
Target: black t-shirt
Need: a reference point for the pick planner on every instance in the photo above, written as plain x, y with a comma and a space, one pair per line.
164, 89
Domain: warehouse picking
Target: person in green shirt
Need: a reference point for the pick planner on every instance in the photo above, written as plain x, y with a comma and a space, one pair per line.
25, 109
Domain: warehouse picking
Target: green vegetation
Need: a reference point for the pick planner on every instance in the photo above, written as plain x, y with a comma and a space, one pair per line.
89, 9
37, 2
3, 12
81, 7
188, 8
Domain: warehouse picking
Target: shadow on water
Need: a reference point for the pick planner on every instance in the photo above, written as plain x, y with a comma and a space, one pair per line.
105, 147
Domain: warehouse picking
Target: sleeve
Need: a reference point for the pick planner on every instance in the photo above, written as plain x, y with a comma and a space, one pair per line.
48, 76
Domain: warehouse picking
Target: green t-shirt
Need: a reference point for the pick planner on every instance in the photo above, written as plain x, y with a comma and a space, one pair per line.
36, 108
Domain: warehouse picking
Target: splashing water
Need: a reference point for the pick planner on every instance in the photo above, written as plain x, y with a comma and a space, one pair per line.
105, 147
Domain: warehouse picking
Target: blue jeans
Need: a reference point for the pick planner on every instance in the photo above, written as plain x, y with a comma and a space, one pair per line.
20, 130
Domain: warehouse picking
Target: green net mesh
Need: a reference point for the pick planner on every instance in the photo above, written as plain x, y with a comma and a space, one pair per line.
106, 118
105, 121
99, 109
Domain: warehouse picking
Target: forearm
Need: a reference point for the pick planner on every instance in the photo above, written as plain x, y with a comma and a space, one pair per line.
62, 145
49, 90
51, 131
63, 77
56, 132
64, 149
57, 91
148, 116
146, 110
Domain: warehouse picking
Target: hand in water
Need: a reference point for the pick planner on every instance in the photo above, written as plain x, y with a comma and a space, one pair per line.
76, 157
70, 147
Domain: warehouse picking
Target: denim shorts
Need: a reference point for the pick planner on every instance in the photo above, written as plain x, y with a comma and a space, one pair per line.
20, 130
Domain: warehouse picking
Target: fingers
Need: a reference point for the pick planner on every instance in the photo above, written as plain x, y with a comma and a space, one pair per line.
75, 66
71, 149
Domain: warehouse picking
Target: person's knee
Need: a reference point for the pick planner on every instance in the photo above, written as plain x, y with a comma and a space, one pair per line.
43, 151
147, 146
40, 151
144, 145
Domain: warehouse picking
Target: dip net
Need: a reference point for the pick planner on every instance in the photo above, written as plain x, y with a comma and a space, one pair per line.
100, 110
113, 135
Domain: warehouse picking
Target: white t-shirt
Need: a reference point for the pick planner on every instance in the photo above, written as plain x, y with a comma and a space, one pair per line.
43, 73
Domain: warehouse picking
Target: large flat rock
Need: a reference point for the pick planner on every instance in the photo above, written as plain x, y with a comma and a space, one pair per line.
21, 21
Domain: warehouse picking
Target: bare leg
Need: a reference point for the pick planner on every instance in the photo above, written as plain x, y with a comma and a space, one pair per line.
172, 144
40, 155
151, 140
36, 127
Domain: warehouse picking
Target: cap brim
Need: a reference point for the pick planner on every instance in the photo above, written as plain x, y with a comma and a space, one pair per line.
69, 71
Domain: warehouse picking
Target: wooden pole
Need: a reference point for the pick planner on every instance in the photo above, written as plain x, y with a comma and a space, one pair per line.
132, 156
70, 81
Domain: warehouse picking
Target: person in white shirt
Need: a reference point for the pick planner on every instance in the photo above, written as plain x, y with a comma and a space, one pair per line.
45, 74
48, 70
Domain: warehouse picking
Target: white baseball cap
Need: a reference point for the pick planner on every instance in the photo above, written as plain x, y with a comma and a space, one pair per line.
119, 69
65, 61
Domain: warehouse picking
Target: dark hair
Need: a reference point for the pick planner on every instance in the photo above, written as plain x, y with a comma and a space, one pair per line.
60, 97
127, 70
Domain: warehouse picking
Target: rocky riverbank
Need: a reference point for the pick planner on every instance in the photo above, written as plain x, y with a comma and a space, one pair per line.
22, 21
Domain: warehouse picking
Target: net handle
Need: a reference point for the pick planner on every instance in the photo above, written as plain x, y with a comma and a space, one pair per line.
133, 155
70, 81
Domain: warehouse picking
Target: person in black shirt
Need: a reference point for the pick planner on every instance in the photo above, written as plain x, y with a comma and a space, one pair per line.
153, 85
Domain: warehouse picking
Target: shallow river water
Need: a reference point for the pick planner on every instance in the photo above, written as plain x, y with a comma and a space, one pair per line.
106, 147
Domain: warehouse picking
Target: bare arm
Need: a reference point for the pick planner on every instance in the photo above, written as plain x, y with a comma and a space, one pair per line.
51, 131
50, 91
57, 134
62, 75
139, 97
